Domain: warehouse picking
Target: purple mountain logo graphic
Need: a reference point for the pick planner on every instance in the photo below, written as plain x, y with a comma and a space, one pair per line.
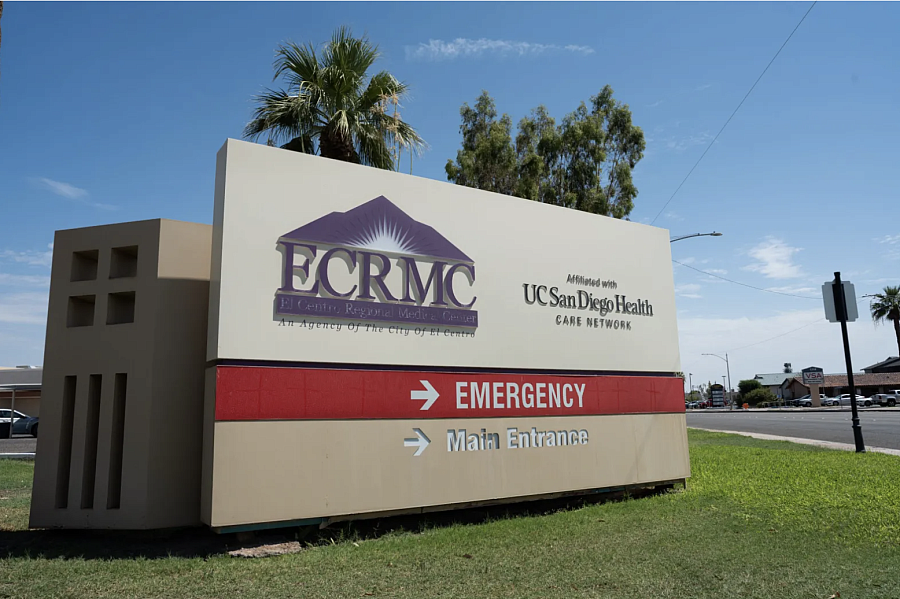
433, 288
378, 225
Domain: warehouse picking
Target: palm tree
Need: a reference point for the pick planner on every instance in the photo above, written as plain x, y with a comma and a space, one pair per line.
886, 306
332, 107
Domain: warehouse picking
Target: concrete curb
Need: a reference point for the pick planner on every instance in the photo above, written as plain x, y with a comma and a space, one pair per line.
17, 456
816, 442
790, 410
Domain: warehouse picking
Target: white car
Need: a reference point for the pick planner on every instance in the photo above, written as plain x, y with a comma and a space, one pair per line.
889, 399
861, 402
5, 415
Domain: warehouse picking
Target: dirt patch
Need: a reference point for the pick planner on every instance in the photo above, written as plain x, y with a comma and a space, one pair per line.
268, 550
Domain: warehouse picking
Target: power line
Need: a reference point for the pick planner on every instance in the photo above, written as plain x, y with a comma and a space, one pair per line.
777, 336
696, 164
744, 284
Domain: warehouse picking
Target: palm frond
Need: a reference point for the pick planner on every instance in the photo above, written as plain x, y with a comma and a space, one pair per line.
330, 104
372, 148
297, 61
886, 305
398, 131
381, 86
354, 56
282, 115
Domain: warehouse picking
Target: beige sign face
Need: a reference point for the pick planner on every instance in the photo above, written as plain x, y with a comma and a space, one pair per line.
529, 345
294, 470
319, 261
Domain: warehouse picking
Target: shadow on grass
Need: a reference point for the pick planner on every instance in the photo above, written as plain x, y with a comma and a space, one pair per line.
203, 543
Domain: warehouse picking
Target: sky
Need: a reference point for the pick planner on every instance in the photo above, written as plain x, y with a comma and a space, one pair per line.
113, 112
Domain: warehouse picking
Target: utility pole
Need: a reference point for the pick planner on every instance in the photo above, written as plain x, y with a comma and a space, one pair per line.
840, 306
727, 369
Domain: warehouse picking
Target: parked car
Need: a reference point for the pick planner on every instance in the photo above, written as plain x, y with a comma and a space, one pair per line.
22, 424
831, 401
806, 401
885, 399
844, 400
803, 402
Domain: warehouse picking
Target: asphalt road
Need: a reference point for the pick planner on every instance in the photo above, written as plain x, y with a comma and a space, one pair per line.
880, 428
18, 444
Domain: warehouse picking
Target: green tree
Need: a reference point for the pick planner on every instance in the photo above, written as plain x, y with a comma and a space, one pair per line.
885, 307
748, 385
585, 162
758, 396
332, 107
487, 159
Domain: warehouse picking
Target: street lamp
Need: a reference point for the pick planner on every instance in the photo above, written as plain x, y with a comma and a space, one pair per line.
727, 369
679, 238
691, 381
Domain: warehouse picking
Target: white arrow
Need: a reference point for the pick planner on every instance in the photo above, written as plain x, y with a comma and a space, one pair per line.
420, 442
428, 394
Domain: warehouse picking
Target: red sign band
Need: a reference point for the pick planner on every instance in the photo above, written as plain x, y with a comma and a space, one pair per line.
267, 393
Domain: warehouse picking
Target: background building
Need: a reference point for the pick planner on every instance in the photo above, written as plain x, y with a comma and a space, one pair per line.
889, 365
20, 389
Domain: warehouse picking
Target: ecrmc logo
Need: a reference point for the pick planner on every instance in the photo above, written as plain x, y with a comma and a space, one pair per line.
368, 263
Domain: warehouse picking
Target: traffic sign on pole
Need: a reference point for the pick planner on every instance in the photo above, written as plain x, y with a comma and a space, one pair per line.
842, 305
831, 312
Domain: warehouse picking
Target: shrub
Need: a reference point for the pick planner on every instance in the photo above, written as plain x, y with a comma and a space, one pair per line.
758, 396
748, 385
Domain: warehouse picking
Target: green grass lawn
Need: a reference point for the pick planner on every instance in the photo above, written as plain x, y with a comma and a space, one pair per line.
758, 519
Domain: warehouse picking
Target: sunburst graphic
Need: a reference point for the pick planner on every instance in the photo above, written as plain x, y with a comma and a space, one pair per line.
378, 225
386, 237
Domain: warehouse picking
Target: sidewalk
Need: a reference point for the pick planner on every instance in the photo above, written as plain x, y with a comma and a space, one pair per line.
816, 442
794, 410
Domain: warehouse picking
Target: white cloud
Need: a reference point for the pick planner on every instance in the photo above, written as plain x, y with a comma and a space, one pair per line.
891, 240
674, 216
30, 257
881, 281
70, 192
704, 86
763, 344
654, 105
775, 259
688, 290
24, 308
811, 291
469, 48
680, 144
23, 280
717, 271
687, 287
65, 190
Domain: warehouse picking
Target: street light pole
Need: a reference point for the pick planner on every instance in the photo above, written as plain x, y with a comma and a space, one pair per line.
728, 370
691, 381
680, 237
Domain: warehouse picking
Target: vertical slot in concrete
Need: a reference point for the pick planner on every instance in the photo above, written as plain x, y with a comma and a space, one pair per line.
114, 495
64, 462
91, 434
